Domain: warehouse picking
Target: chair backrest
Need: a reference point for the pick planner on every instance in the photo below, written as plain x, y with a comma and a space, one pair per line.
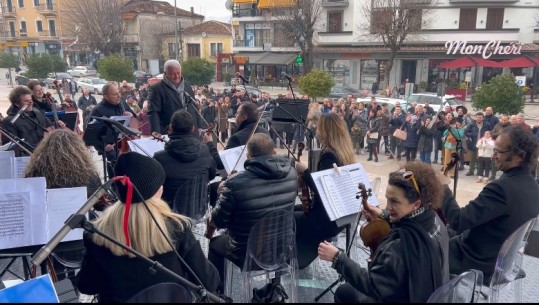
272, 239
461, 289
191, 198
163, 293
510, 257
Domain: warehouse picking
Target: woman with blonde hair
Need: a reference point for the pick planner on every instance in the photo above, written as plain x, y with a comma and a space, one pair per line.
63, 159
135, 221
314, 227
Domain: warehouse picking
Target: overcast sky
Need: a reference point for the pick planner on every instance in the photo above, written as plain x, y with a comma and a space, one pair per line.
212, 9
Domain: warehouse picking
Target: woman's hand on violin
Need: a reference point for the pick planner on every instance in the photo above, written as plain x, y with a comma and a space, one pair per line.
327, 251
301, 167
371, 212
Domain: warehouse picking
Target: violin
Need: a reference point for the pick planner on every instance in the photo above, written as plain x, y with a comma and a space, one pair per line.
375, 230
52, 102
305, 197
157, 136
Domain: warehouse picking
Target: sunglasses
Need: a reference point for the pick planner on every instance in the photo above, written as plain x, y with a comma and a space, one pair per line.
409, 175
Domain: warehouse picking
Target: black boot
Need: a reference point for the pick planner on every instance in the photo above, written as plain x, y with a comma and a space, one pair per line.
370, 154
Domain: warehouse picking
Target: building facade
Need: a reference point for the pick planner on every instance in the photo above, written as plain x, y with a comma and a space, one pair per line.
358, 61
30, 26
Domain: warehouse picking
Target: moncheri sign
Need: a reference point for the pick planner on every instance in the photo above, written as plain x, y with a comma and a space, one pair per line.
491, 48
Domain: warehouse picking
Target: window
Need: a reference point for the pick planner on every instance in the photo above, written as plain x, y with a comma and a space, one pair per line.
468, 18
21, 3
171, 51
381, 19
39, 25
23, 27
335, 21
193, 50
52, 28
216, 48
414, 19
36, 2
12, 29
495, 18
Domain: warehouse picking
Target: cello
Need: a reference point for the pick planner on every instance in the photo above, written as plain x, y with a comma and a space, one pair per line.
374, 230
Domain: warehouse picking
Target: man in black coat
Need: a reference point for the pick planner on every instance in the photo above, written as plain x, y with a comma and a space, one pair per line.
169, 95
269, 183
246, 119
184, 157
500, 208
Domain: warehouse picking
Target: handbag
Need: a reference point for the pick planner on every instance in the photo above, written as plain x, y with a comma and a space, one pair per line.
269, 293
400, 134
373, 135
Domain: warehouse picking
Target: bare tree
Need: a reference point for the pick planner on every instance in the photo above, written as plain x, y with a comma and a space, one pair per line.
153, 36
299, 24
394, 21
96, 23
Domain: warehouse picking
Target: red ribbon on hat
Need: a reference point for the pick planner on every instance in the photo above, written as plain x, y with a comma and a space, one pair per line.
129, 197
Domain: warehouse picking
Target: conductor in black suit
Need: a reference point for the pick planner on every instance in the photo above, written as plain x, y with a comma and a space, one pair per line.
168, 95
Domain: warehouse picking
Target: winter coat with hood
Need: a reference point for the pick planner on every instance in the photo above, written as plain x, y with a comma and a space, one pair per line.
184, 157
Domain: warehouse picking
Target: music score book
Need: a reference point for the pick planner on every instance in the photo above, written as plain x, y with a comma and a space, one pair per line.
230, 156
338, 189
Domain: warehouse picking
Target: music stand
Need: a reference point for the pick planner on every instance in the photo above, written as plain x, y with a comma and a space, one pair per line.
69, 118
98, 135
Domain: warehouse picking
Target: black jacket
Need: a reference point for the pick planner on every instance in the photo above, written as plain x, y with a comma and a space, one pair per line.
26, 126
485, 222
43, 105
83, 102
184, 156
268, 183
242, 135
117, 278
163, 101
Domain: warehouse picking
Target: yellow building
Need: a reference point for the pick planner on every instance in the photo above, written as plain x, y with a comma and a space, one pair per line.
30, 26
205, 40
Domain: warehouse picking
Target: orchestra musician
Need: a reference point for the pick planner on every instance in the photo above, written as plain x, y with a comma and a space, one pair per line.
501, 207
412, 261
41, 102
314, 227
31, 125
184, 156
107, 270
268, 183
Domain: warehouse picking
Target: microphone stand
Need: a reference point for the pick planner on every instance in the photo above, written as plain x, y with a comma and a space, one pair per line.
191, 102
25, 115
17, 141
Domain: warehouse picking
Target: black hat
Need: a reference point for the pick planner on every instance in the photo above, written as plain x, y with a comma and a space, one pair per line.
146, 174
464, 109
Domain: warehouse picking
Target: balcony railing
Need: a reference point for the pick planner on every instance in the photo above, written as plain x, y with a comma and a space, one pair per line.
46, 9
131, 38
246, 12
334, 3
251, 43
23, 33
47, 34
9, 12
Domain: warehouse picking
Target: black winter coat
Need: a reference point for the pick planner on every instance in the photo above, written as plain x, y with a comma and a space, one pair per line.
242, 135
25, 127
425, 139
184, 156
267, 184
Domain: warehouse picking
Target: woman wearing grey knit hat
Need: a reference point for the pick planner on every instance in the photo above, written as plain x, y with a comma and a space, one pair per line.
116, 276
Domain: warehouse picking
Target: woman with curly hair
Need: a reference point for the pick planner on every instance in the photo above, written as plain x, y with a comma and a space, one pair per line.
412, 261
315, 226
63, 159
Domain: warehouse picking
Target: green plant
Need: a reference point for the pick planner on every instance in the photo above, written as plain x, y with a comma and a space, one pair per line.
198, 71
502, 93
316, 83
423, 85
463, 86
40, 64
8, 60
116, 67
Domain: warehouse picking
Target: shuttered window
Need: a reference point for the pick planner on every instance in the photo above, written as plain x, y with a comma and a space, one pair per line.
495, 18
468, 18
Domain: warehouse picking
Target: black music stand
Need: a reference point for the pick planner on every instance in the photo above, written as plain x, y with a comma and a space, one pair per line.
98, 135
69, 118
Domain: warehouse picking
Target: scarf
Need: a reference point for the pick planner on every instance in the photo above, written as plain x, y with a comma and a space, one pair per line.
180, 89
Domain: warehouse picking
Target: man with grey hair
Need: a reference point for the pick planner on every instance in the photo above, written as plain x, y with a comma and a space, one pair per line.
522, 123
171, 94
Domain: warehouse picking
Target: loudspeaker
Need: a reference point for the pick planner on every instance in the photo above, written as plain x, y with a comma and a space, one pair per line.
287, 110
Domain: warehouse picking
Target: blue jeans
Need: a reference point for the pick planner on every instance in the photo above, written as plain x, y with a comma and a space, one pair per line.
424, 156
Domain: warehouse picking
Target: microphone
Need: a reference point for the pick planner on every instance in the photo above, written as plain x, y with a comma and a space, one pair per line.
284, 75
47, 249
18, 115
242, 78
112, 123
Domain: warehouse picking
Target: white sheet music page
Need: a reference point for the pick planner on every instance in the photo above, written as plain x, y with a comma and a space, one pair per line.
62, 203
338, 191
229, 157
148, 144
19, 166
6, 166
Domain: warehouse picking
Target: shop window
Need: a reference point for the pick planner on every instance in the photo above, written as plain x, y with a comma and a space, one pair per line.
468, 18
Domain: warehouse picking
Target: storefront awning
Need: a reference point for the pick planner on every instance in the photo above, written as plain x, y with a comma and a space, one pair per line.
468, 61
253, 57
276, 3
276, 59
520, 62
243, 1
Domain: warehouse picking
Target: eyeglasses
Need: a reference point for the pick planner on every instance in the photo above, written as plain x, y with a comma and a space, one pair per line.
409, 175
497, 151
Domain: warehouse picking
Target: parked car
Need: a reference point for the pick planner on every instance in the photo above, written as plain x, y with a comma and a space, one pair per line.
22, 80
141, 77
250, 90
82, 71
94, 84
338, 92
56, 76
434, 101
389, 101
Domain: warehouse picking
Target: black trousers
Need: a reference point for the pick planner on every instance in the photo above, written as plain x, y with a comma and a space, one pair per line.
346, 293
217, 253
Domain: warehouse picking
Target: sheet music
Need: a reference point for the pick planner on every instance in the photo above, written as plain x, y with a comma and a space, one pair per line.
7, 154
338, 191
19, 166
62, 203
148, 144
14, 226
6, 164
229, 157
122, 119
